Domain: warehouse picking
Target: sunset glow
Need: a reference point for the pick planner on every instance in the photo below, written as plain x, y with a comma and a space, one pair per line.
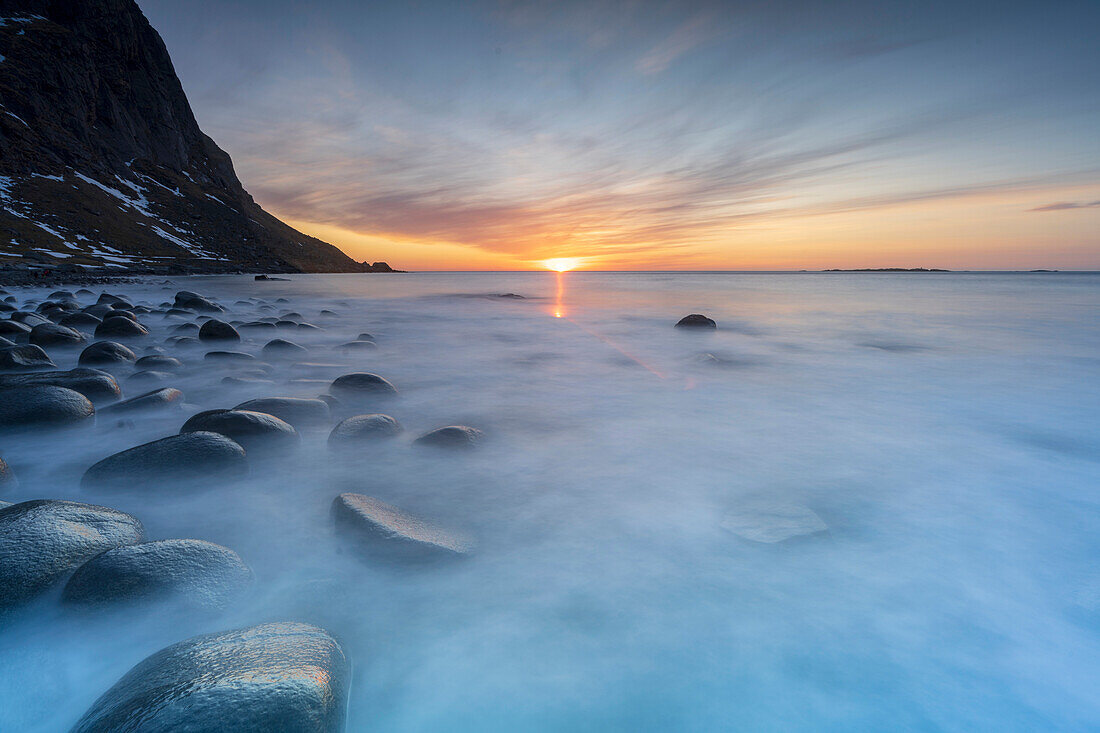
562, 264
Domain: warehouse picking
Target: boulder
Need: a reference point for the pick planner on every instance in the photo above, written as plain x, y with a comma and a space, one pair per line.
165, 398
159, 363
281, 348
199, 458
364, 337
24, 358
215, 330
51, 334
14, 329
42, 406
120, 327
150, 376
297, 411
255, 431
98, 386
452, 436
353, 346
358, 386
109, 300
195, 302
696, 320
8, 480
30, 319
277, 677
388, 533
42, 541
195, 573
103, 353
356, 431
229, 356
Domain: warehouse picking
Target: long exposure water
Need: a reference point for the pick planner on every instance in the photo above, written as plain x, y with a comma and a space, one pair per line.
931, 441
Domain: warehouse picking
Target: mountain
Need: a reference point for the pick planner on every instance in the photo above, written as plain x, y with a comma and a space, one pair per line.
102, 163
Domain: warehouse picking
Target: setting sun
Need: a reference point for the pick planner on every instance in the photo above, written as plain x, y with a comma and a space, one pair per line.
562, 264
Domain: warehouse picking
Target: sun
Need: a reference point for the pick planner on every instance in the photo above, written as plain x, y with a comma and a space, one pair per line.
562, 264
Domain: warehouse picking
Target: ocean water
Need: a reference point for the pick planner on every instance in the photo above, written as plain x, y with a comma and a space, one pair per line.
930, 442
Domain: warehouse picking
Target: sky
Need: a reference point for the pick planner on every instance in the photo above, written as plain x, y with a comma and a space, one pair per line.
766, 134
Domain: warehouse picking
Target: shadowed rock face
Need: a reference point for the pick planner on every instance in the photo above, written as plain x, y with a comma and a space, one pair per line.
696, 320
42, 406
299, 412
362, 429
159, 399
255, 431
388, 533
98, 386
196, 458
43, 540
280, 677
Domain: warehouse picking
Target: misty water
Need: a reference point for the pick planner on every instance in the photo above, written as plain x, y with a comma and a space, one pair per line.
931, 442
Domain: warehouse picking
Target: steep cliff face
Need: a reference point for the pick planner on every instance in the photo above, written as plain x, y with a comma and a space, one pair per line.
103, 164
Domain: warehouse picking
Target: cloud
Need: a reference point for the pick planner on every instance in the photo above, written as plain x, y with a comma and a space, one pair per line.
692, 33
1063, 205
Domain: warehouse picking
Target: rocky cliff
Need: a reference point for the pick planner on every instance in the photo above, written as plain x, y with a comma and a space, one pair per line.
103, 165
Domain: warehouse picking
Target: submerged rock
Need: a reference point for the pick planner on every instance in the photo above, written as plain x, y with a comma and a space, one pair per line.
198, 457
255, 431
297, 411
696, 320
120, 327
40, 406
14, 329
197, 573
452, 436
51, 334
103, 353
215, 330
159, 362
83, 321
771, 522
358, 346
360, 385
196, 302
282, 347
24, 358
279, 677
98, 386
8, 480
159, 399
41, 541
387, 532
360, 429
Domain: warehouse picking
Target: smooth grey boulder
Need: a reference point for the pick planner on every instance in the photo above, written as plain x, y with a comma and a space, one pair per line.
51, 334
108, 299
229, 356
105, 353
120, 327
358, 386
195, 573
195, 302
186, 328
98, 386
215, 330
82, 321
24, 358
150, 376
388, 533
254, 431
30, 319
696, 320
282, 347
42, 541
41, 406
271, 678
297, 411
452, 436
359, 430
199, 458
165, 398
14, 329
160, 363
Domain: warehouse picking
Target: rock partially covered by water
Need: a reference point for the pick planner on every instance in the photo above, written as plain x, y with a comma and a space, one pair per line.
285, 677
362, 429
200, 458
160, 363
452, 436
215, 330
387, 532
104, 353
297, 411
98, 386
14, 329
196, 302
117, 326
276, 348
24, 358
41, 406
8, 480
256, 431
359, 386
165, 398
773, 521
42, 541
696, 320
51, 334
195, 573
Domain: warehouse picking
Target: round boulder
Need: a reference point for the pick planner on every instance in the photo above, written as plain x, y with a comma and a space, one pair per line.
281, 347
39, 406
14, 329
215, 330
297, 411
165, 398
120, 327
360, 429
159, 362
254, 431
389, 533
452, 436
696, 320
196, 458
51, 334
24, 358
98, 386
103, 353
361, 385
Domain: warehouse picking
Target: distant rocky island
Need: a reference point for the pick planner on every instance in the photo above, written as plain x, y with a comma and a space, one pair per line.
104, 169
889, 269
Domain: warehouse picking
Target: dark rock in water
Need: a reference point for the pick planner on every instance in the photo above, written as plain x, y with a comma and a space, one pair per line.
194, 301
268, 277
100, 311
6, 342
186, 341
256, 432
696, 320
308, 327
297, 411
159, 363
452, 436
272, 678
98, 386
24, 358
229, 356
42, 541
8, 480
247, 381
257, 326
197, 573
103, 353
282, 347
364, 337
42, 406
389, 533
62, 295
198, 457
361, 429
120, 327
108, 299
14, 329
332, 402
50, 334
186, 328
117, 312
360, 385
159, 399
29, 319
215, 330
513, 296
150, 376
358, 346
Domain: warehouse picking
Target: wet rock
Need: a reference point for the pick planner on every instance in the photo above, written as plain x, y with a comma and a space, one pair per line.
42, 541
771, 521
98, 386
215, 330
196, 457
364, 337
299, 412
42, 406
452, 436
150, 376
353, 346
696, 320
80, 321
357, 386
8, 481
120, 327
196, 573
109, 299
280, 677
14, 329
388, 533
50, 334
186, 329
24, 358
165, 398
103, 353
229, 356
195, 302
159, 362
257, 432
257, 326
276, 348
362, 429
30, 319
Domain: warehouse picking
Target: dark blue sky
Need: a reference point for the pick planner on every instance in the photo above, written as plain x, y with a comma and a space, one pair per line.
751, 134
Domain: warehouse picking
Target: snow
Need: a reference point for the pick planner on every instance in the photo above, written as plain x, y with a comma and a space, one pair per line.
139, 202
48, 178
5, 187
